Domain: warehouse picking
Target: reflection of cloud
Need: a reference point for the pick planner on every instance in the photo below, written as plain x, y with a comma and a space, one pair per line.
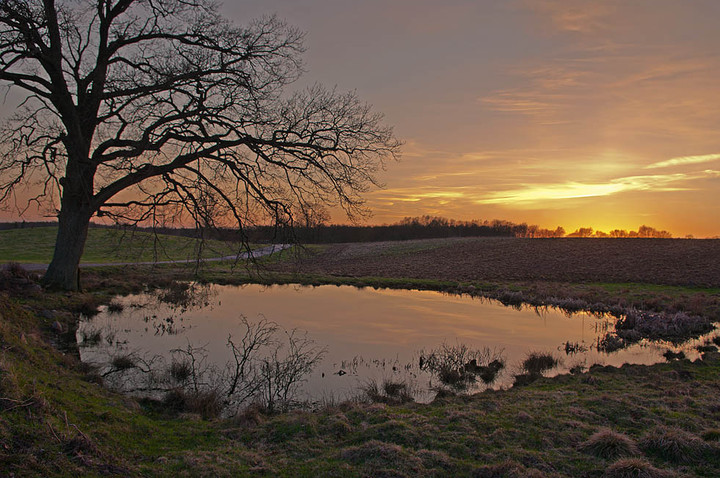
705, 158
532, 195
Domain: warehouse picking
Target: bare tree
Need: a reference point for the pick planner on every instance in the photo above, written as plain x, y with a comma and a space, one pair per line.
143, 110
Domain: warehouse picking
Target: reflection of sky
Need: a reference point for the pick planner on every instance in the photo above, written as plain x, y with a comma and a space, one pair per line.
368, 324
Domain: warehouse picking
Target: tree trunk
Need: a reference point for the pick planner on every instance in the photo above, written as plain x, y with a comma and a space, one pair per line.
63, 272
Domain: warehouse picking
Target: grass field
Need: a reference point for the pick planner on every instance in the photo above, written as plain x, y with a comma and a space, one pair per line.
36, 245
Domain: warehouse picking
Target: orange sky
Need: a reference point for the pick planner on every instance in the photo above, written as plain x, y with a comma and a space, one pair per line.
554, 112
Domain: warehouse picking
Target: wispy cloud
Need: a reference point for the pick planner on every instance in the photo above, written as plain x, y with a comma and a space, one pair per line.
534, 103
533, 195
683, 160
580, 16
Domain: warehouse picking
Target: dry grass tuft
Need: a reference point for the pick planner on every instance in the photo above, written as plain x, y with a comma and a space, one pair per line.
507, 469
381, 455
635, 468
711, 435
123, 362
674, 444
537, 363
115, 307
608, 444
206, 403
391, 392
534, 366
180, 370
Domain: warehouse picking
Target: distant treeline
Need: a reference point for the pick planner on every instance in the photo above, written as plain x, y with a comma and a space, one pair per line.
4, 226
422, 227
643, 231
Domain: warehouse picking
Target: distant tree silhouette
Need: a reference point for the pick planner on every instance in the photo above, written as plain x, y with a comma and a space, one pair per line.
647, 231
582, 232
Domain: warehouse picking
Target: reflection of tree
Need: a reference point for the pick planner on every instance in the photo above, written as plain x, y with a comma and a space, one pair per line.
636, 326
185, 296
266, 368
459, 366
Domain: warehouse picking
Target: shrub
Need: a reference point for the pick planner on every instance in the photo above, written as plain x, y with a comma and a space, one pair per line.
115, 307
87, 305
670, 355
207, 402
180, 370
610, 343
459, 366
391, 392
657, 326
577, 369
90, 338
537, 363
608, 444
14, 278
122, 362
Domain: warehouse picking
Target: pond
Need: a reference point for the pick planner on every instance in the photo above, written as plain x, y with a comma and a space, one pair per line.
365, 335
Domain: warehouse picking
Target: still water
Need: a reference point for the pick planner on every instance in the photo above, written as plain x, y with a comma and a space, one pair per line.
367, 334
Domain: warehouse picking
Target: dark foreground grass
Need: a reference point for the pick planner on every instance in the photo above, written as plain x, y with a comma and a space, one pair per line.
56, 420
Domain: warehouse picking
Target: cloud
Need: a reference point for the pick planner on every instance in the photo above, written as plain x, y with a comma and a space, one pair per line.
683, 160
580, 16
534, 195
529, 102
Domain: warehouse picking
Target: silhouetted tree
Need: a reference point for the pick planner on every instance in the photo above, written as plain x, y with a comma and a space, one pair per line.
647, 231
154, 109
582, 232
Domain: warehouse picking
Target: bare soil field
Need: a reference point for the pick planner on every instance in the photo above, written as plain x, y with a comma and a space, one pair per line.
650, 261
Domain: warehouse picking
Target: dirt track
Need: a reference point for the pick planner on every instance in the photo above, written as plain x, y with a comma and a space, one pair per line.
655, 261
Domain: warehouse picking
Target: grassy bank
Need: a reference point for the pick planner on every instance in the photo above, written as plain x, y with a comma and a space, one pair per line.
36, 245
57, 420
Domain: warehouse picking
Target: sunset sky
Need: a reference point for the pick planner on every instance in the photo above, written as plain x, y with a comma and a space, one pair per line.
554, 112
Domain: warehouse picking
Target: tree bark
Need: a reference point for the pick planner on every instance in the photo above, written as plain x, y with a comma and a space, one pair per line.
73, 222
63, 271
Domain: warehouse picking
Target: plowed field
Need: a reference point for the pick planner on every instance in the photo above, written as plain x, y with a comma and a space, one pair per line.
651, 261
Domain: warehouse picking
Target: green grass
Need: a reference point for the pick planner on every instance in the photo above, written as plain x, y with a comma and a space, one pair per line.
107, 246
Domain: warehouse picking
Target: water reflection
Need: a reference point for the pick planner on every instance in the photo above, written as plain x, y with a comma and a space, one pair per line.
369, 336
